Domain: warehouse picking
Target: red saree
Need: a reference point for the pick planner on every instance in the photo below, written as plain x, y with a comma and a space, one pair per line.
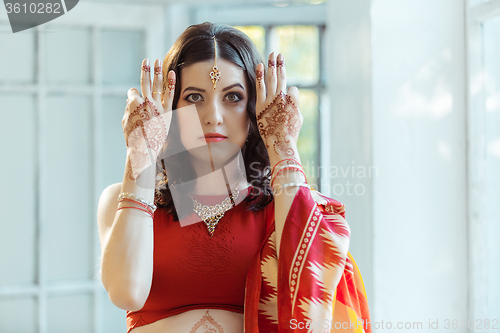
315, 286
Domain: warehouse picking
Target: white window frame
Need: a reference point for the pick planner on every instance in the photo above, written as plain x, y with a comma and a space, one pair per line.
477, 12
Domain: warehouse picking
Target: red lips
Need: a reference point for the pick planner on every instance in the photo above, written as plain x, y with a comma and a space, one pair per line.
214, 137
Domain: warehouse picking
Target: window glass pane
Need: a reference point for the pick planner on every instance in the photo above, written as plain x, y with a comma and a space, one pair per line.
114, 318
111, 141
70, 313
17, 58
491, 173
308, 138
17, 198
18, 315
300, 46
258, 35
122, 53
66, 172
68, 56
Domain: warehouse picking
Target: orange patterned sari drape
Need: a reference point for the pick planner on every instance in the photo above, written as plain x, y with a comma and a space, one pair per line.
315, 285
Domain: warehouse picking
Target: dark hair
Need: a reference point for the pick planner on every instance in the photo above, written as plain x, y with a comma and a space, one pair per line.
196, 44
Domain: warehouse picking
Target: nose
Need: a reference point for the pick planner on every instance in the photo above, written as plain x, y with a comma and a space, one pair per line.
213, 114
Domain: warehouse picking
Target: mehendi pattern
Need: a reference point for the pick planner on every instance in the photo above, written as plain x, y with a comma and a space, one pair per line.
279, 119
280, 65
145, 129
171, 86
260, 77
207, 325
271, 64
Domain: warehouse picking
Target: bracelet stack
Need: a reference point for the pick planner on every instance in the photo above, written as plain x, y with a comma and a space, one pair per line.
146, 206
291, 164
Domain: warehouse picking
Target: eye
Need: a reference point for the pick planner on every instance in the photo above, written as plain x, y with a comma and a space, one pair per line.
233, 97
193, 98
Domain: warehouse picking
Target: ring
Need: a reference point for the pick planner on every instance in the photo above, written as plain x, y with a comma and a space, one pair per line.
156, 92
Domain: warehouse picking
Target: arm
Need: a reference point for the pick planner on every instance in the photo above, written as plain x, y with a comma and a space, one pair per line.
279, 121
126, 235
313, 279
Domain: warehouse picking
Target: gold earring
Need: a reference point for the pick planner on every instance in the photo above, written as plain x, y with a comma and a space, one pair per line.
215, 74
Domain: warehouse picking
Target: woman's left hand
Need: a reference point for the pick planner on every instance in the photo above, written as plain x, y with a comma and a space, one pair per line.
278, 115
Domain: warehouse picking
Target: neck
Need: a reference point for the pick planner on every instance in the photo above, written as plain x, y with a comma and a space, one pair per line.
219, 180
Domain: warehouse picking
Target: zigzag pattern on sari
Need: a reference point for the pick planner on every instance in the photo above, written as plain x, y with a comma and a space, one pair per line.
315, 285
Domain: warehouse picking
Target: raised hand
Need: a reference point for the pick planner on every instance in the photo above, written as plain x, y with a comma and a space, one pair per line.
278, 116
147, 118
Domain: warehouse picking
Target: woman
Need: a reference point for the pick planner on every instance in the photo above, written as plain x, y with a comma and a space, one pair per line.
223, 132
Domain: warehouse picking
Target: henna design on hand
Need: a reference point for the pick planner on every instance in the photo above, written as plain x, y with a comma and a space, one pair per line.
280, 64
271, 64
158, 70
279, 119
207, 325
260, 77
171, 86
146, 68
145, 129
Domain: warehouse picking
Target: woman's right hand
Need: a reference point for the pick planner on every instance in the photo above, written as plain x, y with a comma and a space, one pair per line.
147, 118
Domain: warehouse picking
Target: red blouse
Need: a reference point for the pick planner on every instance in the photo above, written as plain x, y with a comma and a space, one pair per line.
192, 270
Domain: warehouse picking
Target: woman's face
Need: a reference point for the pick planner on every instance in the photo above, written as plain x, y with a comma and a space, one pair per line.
219, 118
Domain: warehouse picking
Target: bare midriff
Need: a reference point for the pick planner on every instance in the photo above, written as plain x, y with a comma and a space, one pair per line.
197, 321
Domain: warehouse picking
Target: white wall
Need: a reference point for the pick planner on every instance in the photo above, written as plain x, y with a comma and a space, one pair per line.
419, 138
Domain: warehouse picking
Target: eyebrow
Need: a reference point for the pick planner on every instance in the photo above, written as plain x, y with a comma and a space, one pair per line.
227, 88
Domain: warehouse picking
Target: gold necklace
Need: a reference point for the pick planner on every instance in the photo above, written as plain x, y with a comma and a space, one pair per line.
211, 215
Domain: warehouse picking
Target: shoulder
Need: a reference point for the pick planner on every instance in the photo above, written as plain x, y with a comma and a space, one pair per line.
110, 193
106, 209
108, 200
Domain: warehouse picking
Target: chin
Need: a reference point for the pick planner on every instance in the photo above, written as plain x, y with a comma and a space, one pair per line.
220, 153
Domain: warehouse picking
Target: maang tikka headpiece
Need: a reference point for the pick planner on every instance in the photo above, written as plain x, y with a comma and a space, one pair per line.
215, 74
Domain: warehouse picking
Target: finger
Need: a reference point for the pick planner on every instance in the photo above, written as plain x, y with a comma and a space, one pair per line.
293, 92
271, 76
280, 73
168, 96
146, 78
132, 94
157, 81
260, 85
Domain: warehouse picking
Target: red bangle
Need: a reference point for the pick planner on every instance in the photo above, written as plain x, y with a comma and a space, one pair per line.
144, 210
286, 159
291, 167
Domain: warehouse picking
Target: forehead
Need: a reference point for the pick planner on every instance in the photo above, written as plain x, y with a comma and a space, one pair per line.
198, 74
